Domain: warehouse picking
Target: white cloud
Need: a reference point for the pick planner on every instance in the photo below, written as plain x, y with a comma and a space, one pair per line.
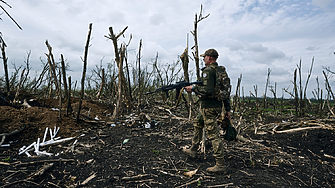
250, 35
323, 3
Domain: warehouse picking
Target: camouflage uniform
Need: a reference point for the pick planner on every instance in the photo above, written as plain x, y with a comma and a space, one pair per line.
210, 109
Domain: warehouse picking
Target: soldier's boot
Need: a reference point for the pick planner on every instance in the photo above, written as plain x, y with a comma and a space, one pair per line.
219, 167
191, 152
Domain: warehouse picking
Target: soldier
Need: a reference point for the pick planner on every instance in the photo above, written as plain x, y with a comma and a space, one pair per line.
210, 109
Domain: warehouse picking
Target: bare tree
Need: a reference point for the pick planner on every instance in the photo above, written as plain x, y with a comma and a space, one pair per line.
84, 71
52, 66
139, 78
119, 57
266, 86
4, 58
195, 35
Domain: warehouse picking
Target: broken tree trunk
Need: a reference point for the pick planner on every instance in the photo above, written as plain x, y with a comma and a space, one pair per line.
119, 56
60, 96
102, 83
52, 66
139, 79
305, 91
64, 76
184, 58
84, 71
296, 98
196, 52
18, 87
4, 59
195, 35
266, 88
328, 85
69, 98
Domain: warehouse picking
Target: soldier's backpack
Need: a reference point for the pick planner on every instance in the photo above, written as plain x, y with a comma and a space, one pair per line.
222, 84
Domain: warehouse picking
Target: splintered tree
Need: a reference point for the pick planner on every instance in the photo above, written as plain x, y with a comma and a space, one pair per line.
3, 45
196, 57
119, 57
52, 66
4, 58
84, 71
185, 60
195, 35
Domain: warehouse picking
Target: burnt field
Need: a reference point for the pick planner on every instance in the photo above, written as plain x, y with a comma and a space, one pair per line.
145, 150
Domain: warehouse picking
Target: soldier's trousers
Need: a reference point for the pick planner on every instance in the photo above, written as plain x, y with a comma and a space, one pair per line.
207, 118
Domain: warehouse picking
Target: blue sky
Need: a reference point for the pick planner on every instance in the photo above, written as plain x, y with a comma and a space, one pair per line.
250, 35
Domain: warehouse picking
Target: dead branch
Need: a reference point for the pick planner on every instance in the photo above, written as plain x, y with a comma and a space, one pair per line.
298, 179
88, 179
297, 129
15, 182
4, 135
191, 182
39, 81
135, 177
41, 171
4, 163
10, 15
44, 161
53, 184
223, 185
170, 174
329, 156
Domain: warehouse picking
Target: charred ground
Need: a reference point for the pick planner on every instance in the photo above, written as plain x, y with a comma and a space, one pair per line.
152, 156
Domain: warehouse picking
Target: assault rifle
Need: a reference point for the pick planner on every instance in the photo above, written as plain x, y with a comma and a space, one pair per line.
178, 86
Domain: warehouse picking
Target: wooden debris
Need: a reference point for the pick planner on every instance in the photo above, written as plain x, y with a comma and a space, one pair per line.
329, 156
4, 163
140, 181
45, 161
222, 185
189, 183
249, 174
88, 179
53, 184
297, 129
11, 175
135, 177
4, 135
15, 182
41, 171
175, 175
191, 173
298, 179
314, 154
